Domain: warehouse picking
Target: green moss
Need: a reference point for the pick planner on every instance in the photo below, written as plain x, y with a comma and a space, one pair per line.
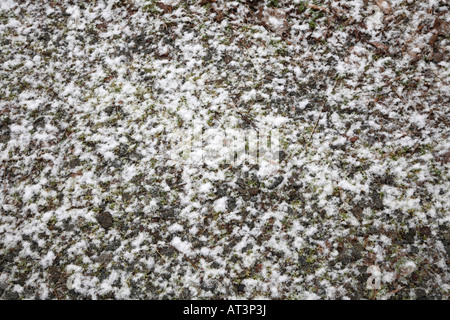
273, 3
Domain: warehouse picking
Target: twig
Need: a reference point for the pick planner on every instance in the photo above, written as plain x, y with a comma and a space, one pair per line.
313, 6
245, 117
4, 181
395, 291
179, 185
366, 242
335, 84
160, 255
397, 93
190, 261
374, 295
315, 126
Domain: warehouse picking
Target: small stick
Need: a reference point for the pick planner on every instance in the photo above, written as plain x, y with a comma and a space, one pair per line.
335, 84
4, 177
315, 126
394, 291
313, 6
190, 261
397, 93
245, 117
160, 255
179, 185
365, 242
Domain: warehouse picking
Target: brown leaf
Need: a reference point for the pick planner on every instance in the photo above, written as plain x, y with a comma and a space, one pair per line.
442, 26
259, 267
415, 58
313, 6
384, 5
219, 17
353, 139
203, 2
75, 174
275, 20
254, 3
445, 158
438, 57
253, 191
105, 219
380, 46
164, 7
433, 39
109, 78
102, 26
437, 23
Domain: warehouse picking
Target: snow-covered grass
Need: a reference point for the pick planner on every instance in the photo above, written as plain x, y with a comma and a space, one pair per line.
99, 201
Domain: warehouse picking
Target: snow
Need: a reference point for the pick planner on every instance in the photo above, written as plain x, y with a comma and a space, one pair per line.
48, 259
289, 152
220, 205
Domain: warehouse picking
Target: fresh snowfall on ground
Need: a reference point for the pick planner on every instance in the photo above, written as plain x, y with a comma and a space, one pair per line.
119, 181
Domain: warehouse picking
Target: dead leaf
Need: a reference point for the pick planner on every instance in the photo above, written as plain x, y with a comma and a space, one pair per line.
219, 15
259, 267
275, 20
444, 159
353, 139
438, 57
313, 6
203, 2
433, 39
75, 174
441, 26
102, 26
380, 46
384, 5
254, 3
164, 7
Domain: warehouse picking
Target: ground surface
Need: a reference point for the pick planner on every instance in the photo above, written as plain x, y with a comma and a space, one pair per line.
92, 92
